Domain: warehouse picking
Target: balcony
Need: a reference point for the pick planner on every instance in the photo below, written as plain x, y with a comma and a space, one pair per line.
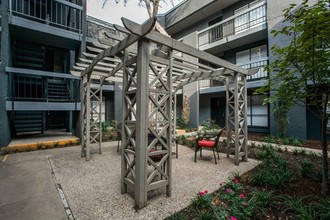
57, 13
250, 23
42, 87
261, 74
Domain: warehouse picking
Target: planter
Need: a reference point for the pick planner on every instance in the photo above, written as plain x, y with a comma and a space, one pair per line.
180, 131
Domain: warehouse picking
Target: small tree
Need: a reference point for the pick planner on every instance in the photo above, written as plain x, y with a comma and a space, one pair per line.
185, 110
281, 108
302, 68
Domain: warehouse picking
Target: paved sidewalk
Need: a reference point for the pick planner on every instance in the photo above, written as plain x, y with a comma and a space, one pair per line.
27, 188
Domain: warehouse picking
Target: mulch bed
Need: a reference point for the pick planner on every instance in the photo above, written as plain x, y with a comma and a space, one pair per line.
307, 188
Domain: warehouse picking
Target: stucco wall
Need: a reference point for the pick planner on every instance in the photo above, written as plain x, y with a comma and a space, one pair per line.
298, 115
5, 61
191, 90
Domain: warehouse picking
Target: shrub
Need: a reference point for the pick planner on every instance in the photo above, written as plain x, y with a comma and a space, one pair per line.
267, 151
210, 125
284, 140
296, 205
236, 204
203, 200
273, 170
177, 216
306, 168
322, 209
180, 124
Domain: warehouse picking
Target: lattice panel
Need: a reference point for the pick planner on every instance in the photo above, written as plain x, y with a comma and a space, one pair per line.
236, 117
159, 123
91, 111
129, 123
96, 116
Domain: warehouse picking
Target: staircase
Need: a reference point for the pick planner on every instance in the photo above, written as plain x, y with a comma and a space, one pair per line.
29, 56
28, 121
58, 90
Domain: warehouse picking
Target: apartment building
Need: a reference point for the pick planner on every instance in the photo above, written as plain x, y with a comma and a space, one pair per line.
237, 31
40, 41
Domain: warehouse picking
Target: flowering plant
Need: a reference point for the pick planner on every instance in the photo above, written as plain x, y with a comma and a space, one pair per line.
237, 206
203, 200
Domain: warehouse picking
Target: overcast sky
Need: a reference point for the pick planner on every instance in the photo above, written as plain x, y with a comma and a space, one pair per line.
112, 12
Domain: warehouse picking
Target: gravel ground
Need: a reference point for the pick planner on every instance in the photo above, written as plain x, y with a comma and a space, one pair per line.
93, 188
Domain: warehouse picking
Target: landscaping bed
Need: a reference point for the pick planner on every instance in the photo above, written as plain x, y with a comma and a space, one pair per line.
286, 185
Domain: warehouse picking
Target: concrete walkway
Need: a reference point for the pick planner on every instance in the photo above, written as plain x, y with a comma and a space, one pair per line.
27, 188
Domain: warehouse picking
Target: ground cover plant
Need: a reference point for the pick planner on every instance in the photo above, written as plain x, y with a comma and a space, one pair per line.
286, 185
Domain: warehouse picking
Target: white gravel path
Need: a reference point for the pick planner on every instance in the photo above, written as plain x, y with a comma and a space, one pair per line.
93, 188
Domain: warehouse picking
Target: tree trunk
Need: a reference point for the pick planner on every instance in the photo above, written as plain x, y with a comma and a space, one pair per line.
325, 176
153, 13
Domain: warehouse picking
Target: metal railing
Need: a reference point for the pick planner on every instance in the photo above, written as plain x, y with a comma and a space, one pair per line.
238, 23
58, 13
42, 87
206, 83
262, 73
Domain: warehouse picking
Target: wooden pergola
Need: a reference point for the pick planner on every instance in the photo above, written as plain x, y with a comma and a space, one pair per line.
152, 68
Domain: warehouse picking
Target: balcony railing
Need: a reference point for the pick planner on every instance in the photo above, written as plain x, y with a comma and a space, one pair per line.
238, 23
42, 86
58, 13
262, 73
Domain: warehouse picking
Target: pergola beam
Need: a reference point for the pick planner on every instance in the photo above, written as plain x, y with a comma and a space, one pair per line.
184, 48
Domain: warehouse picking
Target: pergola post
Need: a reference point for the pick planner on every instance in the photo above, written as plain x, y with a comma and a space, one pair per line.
147, 117
236, 109
85, 112
170, 129
91, 116
141, 131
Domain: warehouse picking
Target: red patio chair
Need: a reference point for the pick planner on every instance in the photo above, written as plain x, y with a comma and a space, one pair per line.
208, 140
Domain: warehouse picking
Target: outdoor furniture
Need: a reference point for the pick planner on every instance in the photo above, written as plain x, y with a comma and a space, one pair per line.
209, 140
158, 157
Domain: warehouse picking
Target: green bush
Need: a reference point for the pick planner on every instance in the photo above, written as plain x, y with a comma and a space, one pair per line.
293, 141
273, 170
301, 211
203, 200
210, 125
236, 202
180, 124
262, 200
306, 168
322, 209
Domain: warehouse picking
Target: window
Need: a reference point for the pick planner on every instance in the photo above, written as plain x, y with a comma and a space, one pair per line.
215, 32
252, 54
257, 113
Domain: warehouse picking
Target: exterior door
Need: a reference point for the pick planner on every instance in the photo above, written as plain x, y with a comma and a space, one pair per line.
218, 110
